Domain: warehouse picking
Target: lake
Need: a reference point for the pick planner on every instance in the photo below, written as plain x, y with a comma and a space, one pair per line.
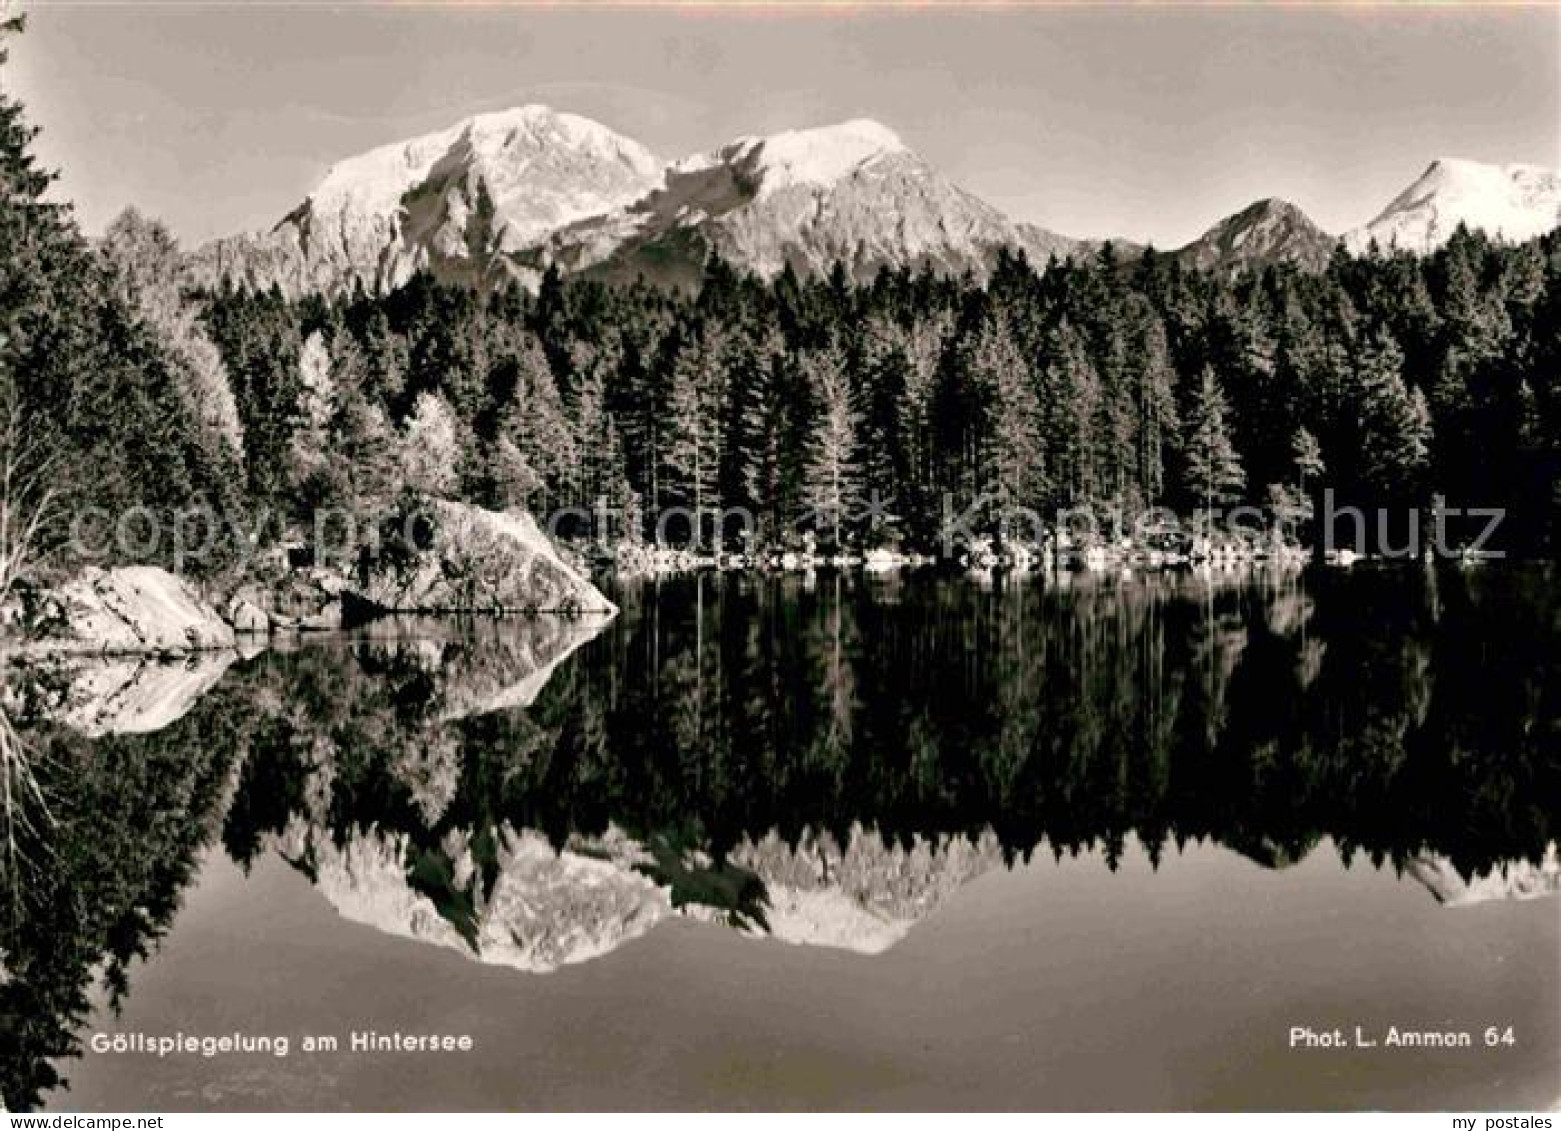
1090, 841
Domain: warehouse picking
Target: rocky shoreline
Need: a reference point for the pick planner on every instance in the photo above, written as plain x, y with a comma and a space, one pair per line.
474, 561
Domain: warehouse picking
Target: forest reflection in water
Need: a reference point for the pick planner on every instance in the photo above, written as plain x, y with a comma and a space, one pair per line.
823, 760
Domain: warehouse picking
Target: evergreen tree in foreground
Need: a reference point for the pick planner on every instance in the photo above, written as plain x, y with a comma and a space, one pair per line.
96, 385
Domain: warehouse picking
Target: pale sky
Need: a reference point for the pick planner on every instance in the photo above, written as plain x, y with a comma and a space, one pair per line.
1143, 123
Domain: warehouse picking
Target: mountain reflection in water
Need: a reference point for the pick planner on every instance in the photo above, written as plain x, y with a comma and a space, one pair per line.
819, 760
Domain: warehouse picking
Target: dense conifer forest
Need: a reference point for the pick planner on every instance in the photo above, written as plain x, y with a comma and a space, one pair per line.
1114, 383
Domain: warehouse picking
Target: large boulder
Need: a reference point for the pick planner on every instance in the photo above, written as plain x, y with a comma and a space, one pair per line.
453, 557
124, 611
309, 601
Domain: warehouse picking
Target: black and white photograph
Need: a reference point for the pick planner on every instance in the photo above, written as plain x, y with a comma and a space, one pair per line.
788, 556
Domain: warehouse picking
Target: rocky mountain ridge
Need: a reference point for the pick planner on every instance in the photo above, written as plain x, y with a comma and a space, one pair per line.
455, 202
1264, 233
853, 194
507, 195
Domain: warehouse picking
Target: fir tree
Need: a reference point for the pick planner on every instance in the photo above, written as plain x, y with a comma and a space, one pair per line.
1010, 444
151, 279
316, 408
831, 483
1306, 454
368, 450
691, 453
76, 352
1395, 422
535, 423
430, 447
1214, 475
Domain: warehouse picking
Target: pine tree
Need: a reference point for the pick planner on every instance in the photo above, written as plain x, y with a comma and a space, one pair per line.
831, 475
369, 451
430, 447
260, 341
76, 353
383, 355
512, 481
1244, 352
591, 424
1307, 456
151, 279
924, 343
36, 234
1395, 422
1112, 427
1213, 471
535, 423
603, 480
1069, 393
1290, 502
755, 434
1155, 395
316, 407
691, 455
1010, 447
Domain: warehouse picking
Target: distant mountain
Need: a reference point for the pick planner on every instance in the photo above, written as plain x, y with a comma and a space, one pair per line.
1267, 232
508, 194
852, 194
1511, 202
455, 202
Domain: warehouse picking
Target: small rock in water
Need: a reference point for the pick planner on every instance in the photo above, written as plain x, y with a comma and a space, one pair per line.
247, 618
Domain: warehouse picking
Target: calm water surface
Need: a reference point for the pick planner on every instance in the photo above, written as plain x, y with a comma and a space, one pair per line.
1097, 842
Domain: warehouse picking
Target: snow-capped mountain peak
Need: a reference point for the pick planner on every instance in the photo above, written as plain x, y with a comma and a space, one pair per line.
819, 156
520, 138
454, 201
504, 195
1511, 202
377, 180
852, 195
